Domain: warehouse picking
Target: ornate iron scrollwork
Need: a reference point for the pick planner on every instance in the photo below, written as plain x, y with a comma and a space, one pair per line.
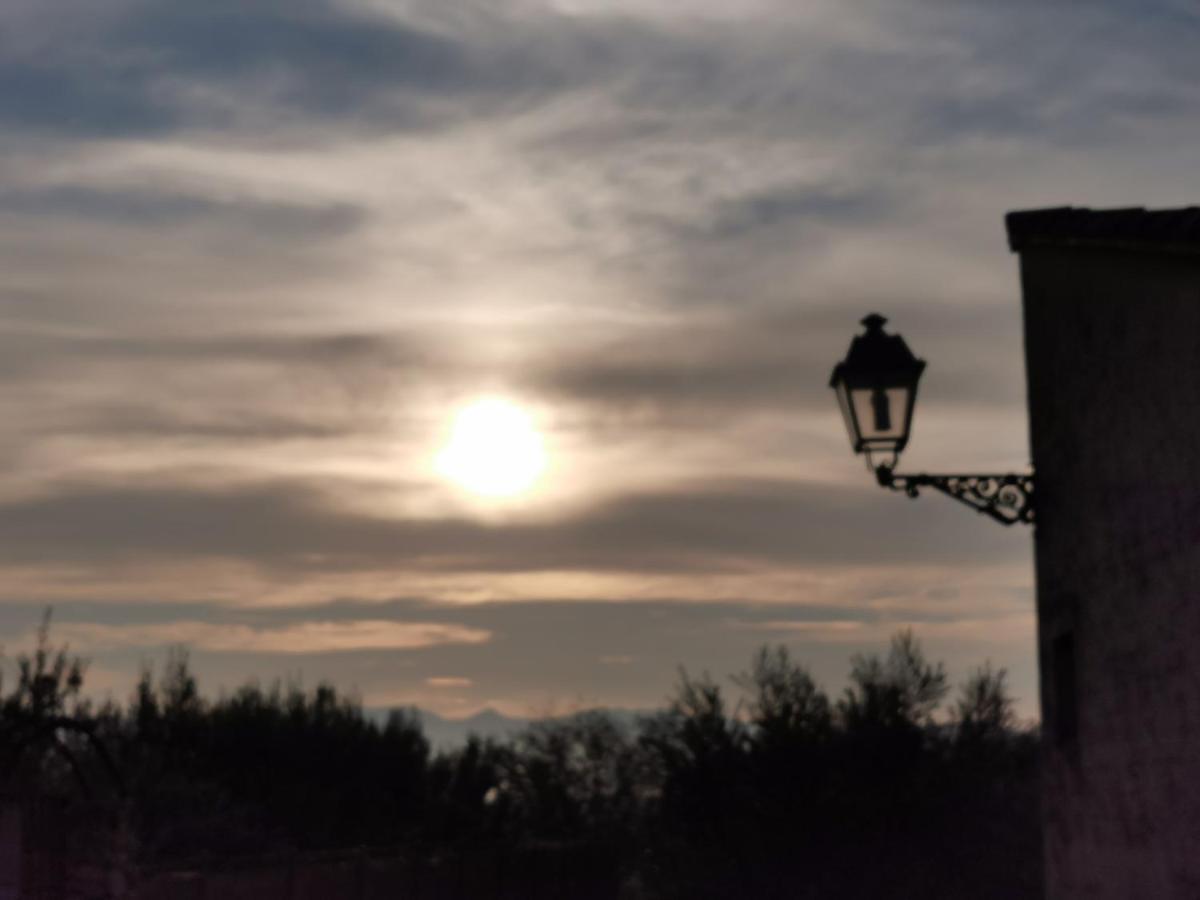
1006, 498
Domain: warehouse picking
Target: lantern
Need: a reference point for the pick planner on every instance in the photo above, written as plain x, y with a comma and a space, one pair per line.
876, 386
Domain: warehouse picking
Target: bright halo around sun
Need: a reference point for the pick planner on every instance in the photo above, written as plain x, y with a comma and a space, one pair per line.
494, 450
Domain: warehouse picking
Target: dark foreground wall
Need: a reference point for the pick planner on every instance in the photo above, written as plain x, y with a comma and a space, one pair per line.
546, 872
1112, 328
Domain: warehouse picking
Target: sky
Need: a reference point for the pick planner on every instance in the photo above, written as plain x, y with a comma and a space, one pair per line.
256, 255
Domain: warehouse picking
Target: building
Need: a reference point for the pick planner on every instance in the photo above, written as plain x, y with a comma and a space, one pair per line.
1112, 338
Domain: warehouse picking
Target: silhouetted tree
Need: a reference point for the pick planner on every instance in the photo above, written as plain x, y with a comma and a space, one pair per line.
790, 745
50, 740
470, 800
784, 703
572, 776
697, 753
898, 692
781, 794
984, 708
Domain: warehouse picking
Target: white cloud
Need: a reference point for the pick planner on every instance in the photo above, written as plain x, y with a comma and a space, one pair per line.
301, 638
448, 681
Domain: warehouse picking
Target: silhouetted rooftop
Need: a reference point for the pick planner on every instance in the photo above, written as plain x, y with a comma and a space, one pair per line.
1132, 228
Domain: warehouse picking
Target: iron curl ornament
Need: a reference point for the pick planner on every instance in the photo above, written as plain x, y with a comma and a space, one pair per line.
1006, 498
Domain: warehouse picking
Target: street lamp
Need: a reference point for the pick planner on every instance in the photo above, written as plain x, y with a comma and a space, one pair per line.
876, 387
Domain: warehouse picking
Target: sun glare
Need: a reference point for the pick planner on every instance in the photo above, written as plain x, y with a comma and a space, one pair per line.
494, 450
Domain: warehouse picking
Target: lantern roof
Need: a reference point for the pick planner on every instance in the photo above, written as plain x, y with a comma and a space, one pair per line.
876, 355
1133, 228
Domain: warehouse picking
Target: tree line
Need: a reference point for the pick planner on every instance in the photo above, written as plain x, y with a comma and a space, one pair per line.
899, 786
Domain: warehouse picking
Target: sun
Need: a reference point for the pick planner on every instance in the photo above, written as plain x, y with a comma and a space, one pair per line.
494, 450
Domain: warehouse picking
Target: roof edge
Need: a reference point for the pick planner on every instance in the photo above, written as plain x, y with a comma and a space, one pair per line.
1128, 228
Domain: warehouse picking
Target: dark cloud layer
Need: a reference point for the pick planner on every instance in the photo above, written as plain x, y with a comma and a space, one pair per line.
157, 209
132, 76
293, 64
1030, 73
690, 371
694, 528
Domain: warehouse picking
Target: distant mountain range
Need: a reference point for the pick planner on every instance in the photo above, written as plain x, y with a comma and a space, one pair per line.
447, 734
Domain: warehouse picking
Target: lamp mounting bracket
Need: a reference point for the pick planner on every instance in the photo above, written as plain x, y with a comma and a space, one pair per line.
1006, 498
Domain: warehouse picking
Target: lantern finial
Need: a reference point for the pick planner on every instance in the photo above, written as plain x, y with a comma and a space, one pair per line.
874, 322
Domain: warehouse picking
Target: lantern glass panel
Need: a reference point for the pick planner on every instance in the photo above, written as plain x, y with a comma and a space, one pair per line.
881, 415
843, 395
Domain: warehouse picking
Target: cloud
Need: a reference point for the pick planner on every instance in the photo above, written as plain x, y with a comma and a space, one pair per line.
689, 368
153, 67
64, 97
149, 67
162, 208
311, 637
152, 392
145, 421
338, 355
692, 528
448, 682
